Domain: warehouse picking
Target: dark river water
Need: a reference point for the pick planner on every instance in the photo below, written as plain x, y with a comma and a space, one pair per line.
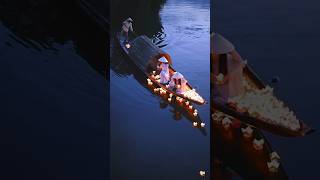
149, 138
53, 93
281, 38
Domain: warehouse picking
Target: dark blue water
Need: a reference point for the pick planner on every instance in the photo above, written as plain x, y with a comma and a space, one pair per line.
149, 139
53, 94
281, 38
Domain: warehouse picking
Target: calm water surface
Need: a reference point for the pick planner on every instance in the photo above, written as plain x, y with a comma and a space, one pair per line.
54, 103
149, 139
281, 38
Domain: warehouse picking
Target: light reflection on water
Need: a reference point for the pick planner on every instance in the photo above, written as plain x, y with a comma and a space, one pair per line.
147, 139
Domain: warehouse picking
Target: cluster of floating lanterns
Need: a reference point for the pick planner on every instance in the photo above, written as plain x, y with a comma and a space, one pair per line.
247, 132
274, 163
222, 118
192, 94
179, 99
195, 124
258, 144
150, 83
262, 104
163, 91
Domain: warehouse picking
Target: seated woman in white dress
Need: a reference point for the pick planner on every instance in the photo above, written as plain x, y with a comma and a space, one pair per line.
227, 69
164, 70
178, 82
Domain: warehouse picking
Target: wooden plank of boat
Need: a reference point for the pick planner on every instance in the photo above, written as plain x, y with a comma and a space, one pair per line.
256, 121
145, 56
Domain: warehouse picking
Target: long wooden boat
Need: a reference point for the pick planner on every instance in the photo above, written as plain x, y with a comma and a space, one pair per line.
145, 56
252, 78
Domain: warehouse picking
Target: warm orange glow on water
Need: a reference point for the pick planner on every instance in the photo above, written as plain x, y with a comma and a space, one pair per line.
233, 147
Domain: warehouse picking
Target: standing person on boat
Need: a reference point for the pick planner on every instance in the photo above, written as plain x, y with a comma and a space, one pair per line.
126, 27
164, 73
227, 68
178, 83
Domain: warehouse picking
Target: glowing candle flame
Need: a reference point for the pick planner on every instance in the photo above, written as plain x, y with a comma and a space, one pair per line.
128, 45
202, 173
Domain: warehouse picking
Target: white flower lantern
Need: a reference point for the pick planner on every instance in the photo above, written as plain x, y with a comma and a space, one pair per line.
247, 132
274, 156
273, 166
258, 144
226, 122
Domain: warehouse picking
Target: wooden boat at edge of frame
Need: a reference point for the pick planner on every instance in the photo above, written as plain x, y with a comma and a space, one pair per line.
258, 122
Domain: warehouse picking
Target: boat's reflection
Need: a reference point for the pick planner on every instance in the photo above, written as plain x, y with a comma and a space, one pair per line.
123, 66
235, 152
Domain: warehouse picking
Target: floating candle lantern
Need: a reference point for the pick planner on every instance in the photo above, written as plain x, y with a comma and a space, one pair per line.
226, 122
258, 144
274, 156
273, 165
202, 124
202, 173
220, 78
247, 132
217, 116
128, 45
195, 124
169, 99
153, 72
170, 95
187, 103
162, 91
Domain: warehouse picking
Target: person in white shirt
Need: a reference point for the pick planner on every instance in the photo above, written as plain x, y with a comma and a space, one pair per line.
164, 73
